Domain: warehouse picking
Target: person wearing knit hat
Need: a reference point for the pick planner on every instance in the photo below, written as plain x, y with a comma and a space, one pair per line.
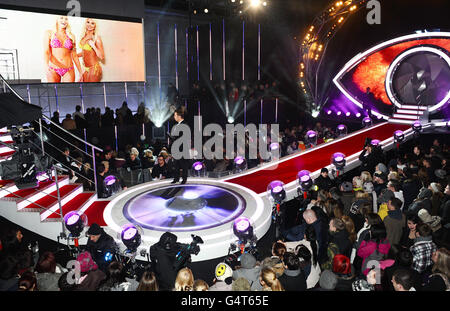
223, 278
433, 221
99, 244
382, 168
249, 270
328, 280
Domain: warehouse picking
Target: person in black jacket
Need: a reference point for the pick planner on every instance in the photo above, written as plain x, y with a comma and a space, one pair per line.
293, 278
369, 159
182, 164
324, 181
99, 244
161, 169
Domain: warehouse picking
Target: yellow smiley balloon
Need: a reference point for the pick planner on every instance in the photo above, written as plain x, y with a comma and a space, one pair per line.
220, 270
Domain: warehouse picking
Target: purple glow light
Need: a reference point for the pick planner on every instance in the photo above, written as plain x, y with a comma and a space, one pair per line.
341, 127
276, 186
274, 146
129, 232
358, 115
110, 180
198, 166
72, 219
304, 175
311, 134
339, 113
347, 114
329, 112
375, 142
239, 160
367, 120
241, 224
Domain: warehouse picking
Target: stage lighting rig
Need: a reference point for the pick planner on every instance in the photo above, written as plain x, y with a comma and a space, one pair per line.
276, 194
341, 130
240, 164
311, 138
339, 161
417, 127
366, 122
246, 239
199, 169
399, 136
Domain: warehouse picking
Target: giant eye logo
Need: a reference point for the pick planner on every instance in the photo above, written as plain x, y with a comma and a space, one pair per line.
411, 72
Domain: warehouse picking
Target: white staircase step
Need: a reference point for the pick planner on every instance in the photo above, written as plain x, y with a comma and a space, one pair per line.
64, 200
414, 112
413, 107
405, 116
22, 203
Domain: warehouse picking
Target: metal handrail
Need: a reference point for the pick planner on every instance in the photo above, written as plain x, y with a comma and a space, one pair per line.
74, 136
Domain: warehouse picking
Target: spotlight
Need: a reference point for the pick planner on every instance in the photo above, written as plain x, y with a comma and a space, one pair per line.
311, 137
242, 229
240, 164
417, 126
399, 136
276, 192
341, 130
111, 185
255, 3
366, 122
375, 142
315, 113
338, 160
199, 168
75, 223
339, 113
329, 112
230, 119
347, 114
358, 115
206, 10
264, 3
131, 237
305, 180
274, 146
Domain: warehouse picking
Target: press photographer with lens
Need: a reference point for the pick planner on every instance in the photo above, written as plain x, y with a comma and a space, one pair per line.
168, 256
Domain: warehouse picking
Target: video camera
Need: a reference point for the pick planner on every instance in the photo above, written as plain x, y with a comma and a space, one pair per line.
184, 255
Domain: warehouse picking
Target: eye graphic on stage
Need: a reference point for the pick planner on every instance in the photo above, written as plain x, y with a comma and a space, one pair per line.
411, 72
184, 208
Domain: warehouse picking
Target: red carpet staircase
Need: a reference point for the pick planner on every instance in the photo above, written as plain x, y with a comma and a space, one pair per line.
44, 198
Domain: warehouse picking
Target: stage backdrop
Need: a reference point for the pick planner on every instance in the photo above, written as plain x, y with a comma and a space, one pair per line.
22, 36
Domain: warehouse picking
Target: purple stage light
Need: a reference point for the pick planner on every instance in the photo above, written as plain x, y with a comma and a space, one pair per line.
358, 115
399, 136
72, 218
276, 192
197, 166
274, 146
276, 186
241, 224
239, 160
339, 113
341, 127
311, 134
366, 122
110, 180
129, 232
347, 114
375, 142
417, 126
329, 112
305, 180
338, 160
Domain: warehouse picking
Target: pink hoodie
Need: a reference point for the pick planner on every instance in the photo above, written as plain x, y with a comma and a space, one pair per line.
367, 248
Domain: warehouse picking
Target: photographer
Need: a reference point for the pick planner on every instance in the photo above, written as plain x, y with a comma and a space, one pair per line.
368, 158
99, 245
162, 256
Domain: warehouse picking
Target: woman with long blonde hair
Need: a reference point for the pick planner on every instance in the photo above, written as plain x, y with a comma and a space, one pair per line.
60, 54
92, 52
439, 280
184, 281
269, 281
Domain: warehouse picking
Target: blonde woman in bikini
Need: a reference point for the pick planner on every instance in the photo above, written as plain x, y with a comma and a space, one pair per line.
60, 53
92, 52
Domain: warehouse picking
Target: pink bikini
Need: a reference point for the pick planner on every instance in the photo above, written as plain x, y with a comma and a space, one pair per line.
56, 43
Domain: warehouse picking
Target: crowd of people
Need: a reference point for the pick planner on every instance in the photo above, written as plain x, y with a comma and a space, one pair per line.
383, 228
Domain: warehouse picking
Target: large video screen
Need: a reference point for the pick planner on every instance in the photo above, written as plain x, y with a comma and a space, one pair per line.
48, 48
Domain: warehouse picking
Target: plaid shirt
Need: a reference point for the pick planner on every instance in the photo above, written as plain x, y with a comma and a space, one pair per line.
422, 252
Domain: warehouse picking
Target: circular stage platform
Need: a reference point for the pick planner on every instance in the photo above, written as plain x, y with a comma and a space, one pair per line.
202, 207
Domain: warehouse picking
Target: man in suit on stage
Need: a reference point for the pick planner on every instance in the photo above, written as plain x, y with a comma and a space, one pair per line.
182, 164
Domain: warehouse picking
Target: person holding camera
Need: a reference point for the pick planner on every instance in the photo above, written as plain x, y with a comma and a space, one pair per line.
163, 255
101, 246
